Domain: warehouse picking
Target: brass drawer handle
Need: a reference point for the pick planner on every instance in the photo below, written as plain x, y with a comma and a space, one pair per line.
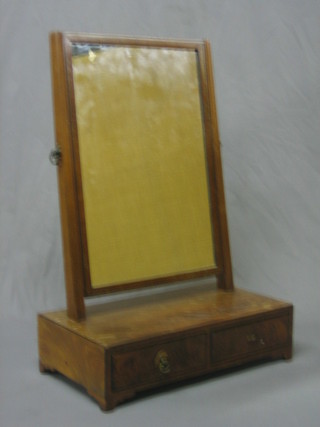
161, 362
252, 338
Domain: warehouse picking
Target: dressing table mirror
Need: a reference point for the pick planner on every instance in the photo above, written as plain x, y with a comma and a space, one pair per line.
142, 206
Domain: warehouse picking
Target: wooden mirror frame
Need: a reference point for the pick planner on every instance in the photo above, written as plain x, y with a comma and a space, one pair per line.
77, 277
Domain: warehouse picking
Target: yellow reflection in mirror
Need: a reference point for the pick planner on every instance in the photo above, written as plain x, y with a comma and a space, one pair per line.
143, 167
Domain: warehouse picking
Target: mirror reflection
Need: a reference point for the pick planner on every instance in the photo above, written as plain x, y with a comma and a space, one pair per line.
142, 160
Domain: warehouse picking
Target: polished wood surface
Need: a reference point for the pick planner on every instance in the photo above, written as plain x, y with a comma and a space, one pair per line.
197, 331
128, 320
225, 277
72, 244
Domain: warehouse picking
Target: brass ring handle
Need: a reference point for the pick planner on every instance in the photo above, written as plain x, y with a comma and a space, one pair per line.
161, 362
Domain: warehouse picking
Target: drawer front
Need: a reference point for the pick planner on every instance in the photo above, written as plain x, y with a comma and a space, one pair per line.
250, 338
158, 363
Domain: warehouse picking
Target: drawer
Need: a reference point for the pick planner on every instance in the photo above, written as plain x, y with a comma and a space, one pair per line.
159, 363
252, 337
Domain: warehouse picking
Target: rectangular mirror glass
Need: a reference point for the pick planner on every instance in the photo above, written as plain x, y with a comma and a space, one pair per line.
144, 191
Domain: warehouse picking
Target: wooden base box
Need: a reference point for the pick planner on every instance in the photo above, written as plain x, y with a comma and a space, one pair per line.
122, 349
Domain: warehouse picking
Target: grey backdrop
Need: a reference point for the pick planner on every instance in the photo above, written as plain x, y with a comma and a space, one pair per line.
267, 75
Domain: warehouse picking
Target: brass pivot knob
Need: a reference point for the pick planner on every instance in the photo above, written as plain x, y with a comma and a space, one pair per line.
55, 156
161, 362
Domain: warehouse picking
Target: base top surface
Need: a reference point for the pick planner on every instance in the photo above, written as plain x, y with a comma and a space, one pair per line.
121, 322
